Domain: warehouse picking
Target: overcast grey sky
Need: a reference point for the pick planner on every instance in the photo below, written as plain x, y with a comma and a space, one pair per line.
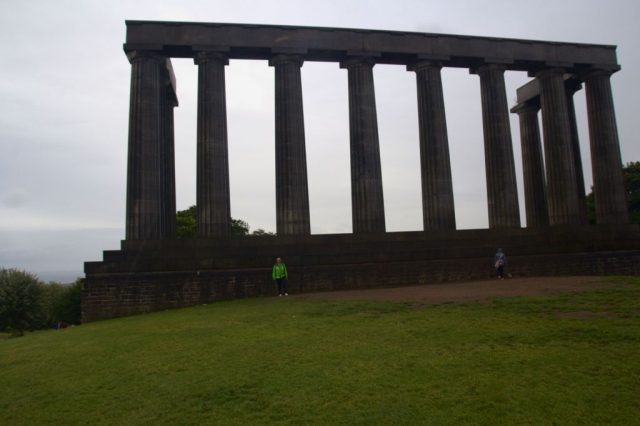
64, 86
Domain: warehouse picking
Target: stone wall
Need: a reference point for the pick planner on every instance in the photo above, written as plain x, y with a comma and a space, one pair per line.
156, 275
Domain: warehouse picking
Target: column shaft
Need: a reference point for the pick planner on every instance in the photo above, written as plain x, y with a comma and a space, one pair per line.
437, 188
502, 191
292, 192
560, 165
535, 193
367, 202
146, 137
168, 199
606, 162
577, 158
213, 209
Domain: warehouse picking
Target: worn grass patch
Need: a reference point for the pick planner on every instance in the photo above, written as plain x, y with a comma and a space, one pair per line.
290, 361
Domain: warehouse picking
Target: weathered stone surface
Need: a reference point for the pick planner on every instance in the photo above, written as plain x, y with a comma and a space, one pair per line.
530, 94
560, 165
213, 206
167, 152
606, 163
502, 191
292, 191
150, 160
437, 187
330, 44
535, 191
367, 202
205, 270
572, 86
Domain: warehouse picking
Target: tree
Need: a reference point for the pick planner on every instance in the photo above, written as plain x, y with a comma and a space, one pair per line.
21, 305
261, 232
186, 225
631, 173
632, 185
239, 227
61, 302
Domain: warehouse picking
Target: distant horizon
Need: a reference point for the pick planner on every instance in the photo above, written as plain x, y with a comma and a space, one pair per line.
62, 277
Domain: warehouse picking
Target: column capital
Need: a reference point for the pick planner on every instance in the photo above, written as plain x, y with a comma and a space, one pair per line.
596, 72
204, 56
548, 72
358, 61
572, 85
488, 67
532, 105
282, 59
135, 55
424, 64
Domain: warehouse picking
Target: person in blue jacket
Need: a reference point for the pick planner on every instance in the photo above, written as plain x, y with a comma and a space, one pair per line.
500, 261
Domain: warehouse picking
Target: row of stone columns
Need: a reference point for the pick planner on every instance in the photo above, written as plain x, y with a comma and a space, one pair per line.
151, 174
561, 199
292, 196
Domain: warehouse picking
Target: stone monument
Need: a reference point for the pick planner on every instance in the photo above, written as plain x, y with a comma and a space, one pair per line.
153, 270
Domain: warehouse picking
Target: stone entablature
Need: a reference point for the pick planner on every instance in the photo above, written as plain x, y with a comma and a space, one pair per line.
251, 41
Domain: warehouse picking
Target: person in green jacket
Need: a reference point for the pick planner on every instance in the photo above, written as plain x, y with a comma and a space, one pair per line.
279, 275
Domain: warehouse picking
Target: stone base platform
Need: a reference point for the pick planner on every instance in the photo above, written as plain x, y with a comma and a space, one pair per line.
146, 276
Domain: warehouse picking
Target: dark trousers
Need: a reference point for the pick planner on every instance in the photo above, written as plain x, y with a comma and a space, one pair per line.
500, 271
282, 285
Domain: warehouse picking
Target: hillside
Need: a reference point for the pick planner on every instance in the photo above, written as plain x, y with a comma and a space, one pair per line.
568, 358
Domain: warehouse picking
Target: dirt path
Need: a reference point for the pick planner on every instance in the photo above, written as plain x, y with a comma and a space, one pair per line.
475, 291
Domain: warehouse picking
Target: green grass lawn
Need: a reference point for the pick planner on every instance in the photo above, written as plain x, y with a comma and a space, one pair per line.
277, 360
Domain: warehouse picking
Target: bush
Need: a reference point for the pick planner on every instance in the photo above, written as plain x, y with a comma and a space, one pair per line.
20, 302
62, 302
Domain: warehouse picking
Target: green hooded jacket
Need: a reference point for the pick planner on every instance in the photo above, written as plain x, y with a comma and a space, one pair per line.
279, 271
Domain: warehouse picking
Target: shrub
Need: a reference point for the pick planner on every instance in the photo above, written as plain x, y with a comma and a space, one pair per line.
62, 302
20, 302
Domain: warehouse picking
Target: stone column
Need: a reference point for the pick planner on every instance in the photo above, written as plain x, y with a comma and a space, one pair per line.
213, 208
560, 165
606, 162
367, 202
571, 89
437, 188
146, 136
168, 200
535, 193
502, 191
292, 192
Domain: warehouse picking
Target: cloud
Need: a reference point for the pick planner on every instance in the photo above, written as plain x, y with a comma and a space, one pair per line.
15, 199
65, 83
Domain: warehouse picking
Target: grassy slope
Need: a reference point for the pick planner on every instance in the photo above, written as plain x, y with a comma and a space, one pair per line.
293, 361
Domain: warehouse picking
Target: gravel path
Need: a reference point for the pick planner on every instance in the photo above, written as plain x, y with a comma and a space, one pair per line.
474, 291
